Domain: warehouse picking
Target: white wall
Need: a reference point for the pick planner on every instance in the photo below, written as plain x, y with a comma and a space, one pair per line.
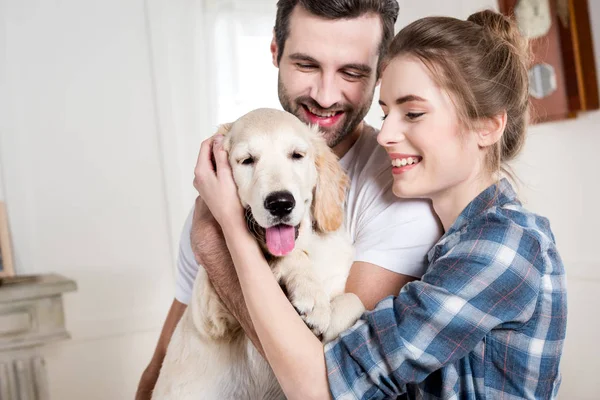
84, 181
560, 182
101, 109
1, 183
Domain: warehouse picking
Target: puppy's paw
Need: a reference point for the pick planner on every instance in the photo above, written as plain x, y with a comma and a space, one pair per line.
318, 319
314, 308
346, 309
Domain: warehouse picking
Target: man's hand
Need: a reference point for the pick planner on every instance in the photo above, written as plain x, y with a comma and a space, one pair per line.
211, 252
209, 246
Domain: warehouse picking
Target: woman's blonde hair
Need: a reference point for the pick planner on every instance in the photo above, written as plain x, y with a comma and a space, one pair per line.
483, 64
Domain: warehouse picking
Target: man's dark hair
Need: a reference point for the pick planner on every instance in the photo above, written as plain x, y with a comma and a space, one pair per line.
337, 9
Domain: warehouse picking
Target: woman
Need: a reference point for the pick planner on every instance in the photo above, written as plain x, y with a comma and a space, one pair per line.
488, 319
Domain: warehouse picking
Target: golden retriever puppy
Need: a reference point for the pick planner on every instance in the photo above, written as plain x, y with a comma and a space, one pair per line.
293, 190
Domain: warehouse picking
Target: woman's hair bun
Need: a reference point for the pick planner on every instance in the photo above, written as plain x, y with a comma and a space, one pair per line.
504, 28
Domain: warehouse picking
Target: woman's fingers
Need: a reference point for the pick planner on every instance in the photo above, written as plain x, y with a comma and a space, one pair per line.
221, 158
204, 167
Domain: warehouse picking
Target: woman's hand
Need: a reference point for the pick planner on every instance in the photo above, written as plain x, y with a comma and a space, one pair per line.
215, 184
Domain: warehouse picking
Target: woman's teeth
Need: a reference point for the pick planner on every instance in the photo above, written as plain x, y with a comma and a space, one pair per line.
401, 162
321, 113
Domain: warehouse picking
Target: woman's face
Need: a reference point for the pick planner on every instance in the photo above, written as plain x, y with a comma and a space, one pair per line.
430, 152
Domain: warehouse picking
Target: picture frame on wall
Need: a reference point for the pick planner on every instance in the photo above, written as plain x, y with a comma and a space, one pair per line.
6, 260
562, 77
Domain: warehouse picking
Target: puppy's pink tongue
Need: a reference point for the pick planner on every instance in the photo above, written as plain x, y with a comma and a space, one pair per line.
281, 239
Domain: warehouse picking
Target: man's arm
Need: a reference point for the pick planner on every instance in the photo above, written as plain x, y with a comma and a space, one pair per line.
211, 251
150, 374
372, 283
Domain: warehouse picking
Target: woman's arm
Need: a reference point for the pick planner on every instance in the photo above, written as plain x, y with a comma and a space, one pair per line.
294, 353
210, 249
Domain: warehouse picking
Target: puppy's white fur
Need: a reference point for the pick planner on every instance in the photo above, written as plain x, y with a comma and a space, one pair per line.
209, 356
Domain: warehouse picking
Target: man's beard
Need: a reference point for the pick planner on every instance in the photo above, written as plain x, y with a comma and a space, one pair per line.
350, 120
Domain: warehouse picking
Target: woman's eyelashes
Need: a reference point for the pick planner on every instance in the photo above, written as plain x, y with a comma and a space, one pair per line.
412, 116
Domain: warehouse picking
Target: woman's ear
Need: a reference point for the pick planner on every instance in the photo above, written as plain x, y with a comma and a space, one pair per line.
330, 192
490, 130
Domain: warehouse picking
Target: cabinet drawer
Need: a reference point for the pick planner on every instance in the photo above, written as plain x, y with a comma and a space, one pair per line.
19, 321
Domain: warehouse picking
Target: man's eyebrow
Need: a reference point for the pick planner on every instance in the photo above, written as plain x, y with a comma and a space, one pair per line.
303, 57
404, 99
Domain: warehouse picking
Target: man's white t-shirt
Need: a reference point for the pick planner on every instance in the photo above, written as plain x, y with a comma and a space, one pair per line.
393, 233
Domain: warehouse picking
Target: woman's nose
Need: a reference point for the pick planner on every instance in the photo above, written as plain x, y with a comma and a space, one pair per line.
390, 134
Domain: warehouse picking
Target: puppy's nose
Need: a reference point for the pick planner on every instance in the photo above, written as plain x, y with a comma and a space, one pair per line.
280, 204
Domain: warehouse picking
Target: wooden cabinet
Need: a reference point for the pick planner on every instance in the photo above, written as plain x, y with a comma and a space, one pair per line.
563, 77
31, 315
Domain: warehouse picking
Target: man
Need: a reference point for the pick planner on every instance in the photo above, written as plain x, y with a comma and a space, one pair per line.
328, 54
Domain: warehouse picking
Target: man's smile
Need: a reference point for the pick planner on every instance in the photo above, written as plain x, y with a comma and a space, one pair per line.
322, 118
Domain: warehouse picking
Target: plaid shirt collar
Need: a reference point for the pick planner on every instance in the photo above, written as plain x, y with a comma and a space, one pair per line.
495, 195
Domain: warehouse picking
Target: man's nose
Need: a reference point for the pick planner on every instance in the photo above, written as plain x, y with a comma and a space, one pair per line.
326, 91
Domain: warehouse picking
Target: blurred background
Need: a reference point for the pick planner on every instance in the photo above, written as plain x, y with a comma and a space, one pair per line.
103, 105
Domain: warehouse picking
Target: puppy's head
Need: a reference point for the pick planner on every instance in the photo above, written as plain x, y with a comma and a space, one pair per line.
286, 175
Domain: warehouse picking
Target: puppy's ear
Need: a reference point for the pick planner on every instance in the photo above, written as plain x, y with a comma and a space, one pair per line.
330, 192
224, 130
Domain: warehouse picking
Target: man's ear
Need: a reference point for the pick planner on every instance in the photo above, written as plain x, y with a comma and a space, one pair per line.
274, 50
490, 130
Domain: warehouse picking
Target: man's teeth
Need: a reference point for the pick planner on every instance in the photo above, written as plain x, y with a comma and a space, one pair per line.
401, 162
321, 113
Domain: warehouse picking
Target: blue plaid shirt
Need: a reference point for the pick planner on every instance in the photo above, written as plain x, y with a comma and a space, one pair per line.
486, 321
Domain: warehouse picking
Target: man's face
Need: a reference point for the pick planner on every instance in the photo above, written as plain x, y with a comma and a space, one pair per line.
327, 72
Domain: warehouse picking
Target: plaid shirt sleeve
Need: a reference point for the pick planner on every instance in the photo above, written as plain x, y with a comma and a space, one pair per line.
487, 279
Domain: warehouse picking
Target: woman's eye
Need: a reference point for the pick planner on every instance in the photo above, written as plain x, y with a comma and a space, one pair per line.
411, 115
297, 156
248, 161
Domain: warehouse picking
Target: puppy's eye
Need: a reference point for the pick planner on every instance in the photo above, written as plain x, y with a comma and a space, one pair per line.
247, 161
297, 155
